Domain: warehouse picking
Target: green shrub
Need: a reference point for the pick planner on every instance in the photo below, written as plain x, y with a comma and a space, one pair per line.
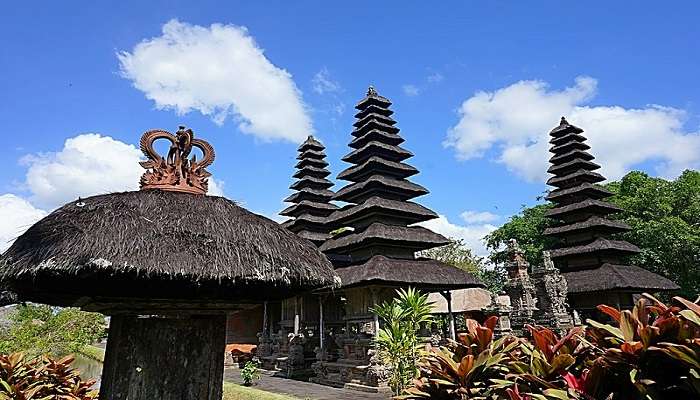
249, 373
42, 378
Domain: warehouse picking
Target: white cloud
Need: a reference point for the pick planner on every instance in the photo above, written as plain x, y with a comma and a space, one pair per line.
472, 234
410, 90
16, 215
514, 122
221, 72
323, 83
475, 217
435, 77
88, 164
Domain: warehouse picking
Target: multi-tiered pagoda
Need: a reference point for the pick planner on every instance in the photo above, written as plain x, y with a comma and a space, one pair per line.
589, 257
376, 241
291, 328
310, 202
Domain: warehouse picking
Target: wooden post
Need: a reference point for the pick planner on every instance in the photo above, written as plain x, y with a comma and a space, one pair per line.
264, 328
375, 317
296, 315
321, 328
164, 358
448, 296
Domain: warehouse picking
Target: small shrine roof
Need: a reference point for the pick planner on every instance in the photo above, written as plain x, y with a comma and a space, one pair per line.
616, 277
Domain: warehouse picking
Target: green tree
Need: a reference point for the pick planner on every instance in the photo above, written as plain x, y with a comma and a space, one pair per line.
457, 254
37, 329
664, 217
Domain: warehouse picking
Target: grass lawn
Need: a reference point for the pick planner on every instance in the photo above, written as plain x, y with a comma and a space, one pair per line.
238, 392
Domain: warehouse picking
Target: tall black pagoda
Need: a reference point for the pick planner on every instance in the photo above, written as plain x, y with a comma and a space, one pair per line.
374, 251
592, 261
311, 199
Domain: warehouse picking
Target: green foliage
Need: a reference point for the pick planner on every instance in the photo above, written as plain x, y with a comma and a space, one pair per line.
40, 329
41, 378
249, 373
649, 353
397, 341
526, 228
459, 255
664, 217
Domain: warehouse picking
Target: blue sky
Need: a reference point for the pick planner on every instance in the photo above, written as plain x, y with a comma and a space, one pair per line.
475, 86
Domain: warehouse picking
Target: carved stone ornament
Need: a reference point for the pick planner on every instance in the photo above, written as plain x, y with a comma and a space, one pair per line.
177, 172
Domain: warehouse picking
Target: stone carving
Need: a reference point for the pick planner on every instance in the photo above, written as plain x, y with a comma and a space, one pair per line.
264, 345
551, 293
520, 289
377, 372
296, 351
502, 311
178, 171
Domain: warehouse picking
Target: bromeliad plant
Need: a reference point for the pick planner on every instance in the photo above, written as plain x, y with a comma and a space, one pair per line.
42, 378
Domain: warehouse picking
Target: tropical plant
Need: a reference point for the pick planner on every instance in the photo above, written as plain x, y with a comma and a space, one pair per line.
397, 342
651, 352
249, 373
42, 378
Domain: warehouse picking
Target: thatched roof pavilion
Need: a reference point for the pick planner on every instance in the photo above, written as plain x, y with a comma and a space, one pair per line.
167, 263
591, 259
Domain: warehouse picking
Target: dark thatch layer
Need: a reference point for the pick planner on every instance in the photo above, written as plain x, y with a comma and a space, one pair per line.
584, 189
592, 224
575, 178
571, 155
388, 152
575, 137
572, 165
568, 146
314, 162
589, 205
309, 170
370, 100
412, 212
385, 119
616, 277
162, 245
304, 205
377, 165
388, 138
311, 144
311, 154
311, 182
304, 220
309, 194
564, 128
316, 237
421, 273
598, 245
400, 188
410, 237
373, 109
373, 124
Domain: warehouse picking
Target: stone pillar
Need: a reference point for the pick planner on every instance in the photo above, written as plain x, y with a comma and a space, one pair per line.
169, 358
264, 327
321, 327
296, 315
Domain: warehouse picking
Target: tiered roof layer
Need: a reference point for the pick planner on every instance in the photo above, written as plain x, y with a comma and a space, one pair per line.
583, 224
311, 199
382, 240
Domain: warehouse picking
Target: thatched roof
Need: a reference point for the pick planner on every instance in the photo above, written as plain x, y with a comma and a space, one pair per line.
569, 137
568, 146
426, 274
154, 244
598, 245
307, 205
590, 205
373, 109
311, 182
374, 124
571, 155
397, 188
385, 119
373, 98
406, 210
309, 170
388, 152
616, 277
408, 237
563, 128
309, 194
593, 223
584, 189
311, 144
375, 165
575, 178
380, 136
576, 163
